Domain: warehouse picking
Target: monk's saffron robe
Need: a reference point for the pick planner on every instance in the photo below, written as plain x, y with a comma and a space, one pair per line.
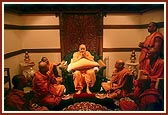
148, 43
47, 90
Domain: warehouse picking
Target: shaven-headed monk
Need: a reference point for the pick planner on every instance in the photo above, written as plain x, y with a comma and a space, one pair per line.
52, 67
84, 76
120, 83
15, 99
154, 40
154, 66
46, 87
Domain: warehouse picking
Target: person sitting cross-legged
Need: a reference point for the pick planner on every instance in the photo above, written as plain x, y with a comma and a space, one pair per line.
121, 82
48, 89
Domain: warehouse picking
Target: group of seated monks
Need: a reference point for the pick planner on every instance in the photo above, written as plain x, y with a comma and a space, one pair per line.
48, 88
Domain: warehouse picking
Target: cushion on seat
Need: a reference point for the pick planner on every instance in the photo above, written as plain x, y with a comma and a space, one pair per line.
83, 64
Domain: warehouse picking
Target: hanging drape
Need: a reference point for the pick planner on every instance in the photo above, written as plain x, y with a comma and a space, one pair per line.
81, 28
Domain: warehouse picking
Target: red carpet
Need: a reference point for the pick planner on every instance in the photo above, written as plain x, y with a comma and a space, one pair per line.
84, 95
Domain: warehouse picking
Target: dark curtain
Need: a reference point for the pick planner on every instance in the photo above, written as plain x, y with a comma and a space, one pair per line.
78, 28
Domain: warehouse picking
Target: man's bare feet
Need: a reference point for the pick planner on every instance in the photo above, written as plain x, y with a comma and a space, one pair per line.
79, 92
88, 91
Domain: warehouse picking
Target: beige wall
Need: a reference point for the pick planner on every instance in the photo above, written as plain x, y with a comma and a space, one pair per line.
121, 38
152, 16
39, 39
121, 19
40, 20
12, 19
19, 39
12, 41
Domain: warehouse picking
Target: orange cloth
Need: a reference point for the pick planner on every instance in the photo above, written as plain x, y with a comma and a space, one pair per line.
81, 78
77, 55
15, 100
57, 89
156, 72
121, 83
122, 78
128, 105
150, 99
149, 42
50, 71
85, 76
47, 91
146, 97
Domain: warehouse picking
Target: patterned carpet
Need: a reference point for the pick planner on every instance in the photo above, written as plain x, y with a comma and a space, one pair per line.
86, 106
85, 102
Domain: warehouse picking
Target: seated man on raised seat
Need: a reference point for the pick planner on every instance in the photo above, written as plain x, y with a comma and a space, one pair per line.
82, 64
120, 83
